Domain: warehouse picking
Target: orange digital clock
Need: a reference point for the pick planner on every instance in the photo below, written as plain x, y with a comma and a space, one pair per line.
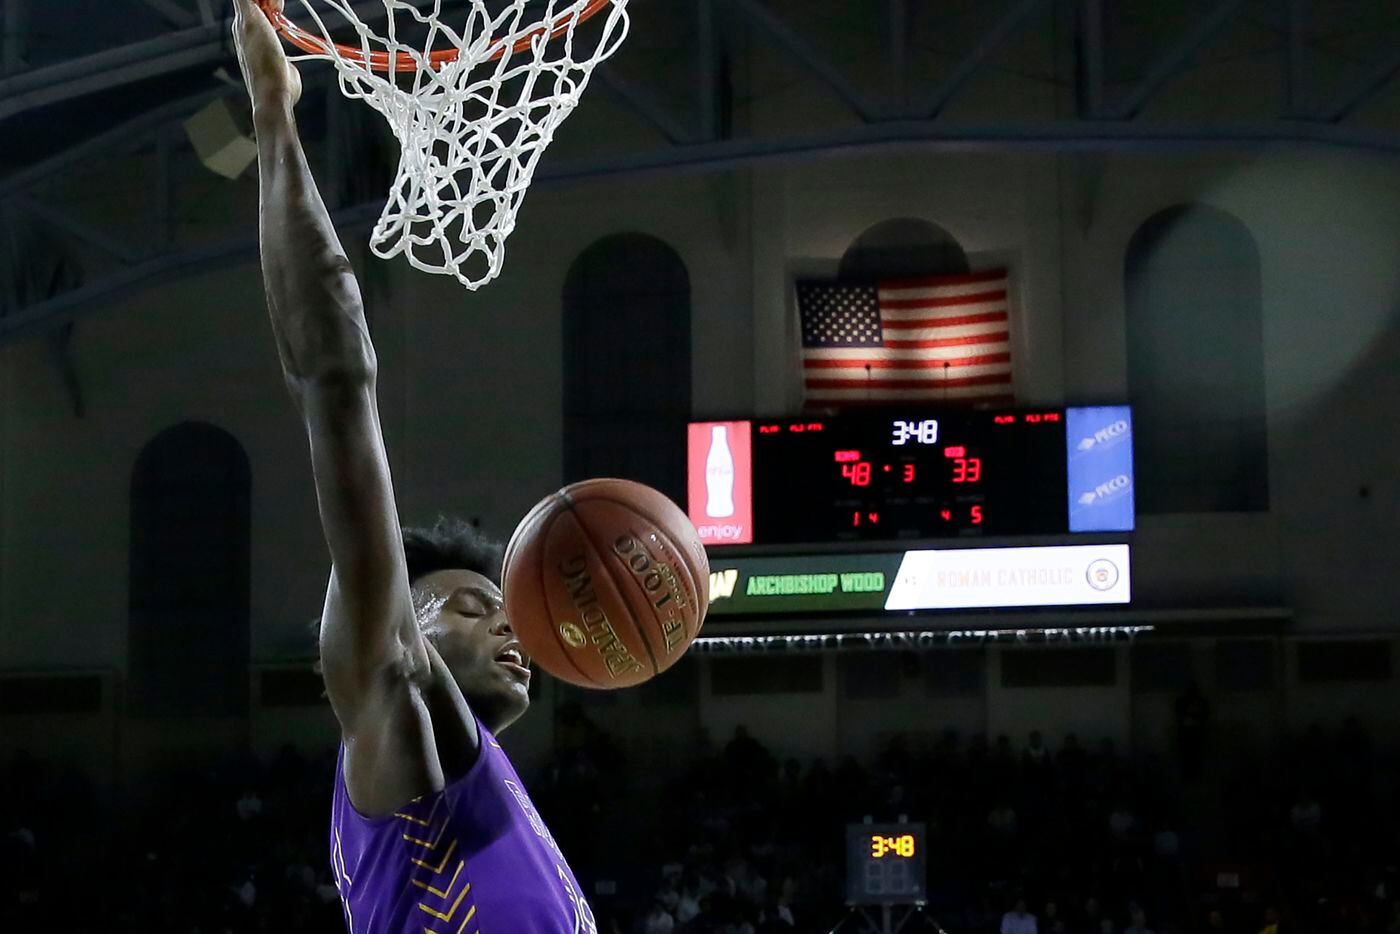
882, 846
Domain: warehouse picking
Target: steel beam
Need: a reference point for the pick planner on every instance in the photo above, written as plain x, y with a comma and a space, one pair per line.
643, 104
14, 28
117, 139
1363, 89
707, 68
1178, 57
899, 52
809, 57
173, 13
1294, 90
1014, 17
75, 228
202, 44
932, 136
1089, 67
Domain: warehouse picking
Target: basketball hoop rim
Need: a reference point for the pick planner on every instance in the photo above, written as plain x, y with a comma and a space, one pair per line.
383, 61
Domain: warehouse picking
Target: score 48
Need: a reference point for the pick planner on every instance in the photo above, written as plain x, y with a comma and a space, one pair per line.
861, 473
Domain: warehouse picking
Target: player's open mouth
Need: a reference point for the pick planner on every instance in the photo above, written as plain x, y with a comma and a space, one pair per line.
514, 661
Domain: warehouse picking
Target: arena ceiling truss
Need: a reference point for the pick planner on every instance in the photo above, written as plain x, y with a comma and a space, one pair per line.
690, 125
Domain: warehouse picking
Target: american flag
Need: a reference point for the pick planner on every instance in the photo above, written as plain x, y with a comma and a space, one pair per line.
910, 339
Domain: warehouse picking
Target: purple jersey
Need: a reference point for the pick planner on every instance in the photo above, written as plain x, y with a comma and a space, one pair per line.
473, 859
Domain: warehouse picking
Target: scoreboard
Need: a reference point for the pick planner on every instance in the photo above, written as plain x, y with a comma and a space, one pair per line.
914, 474
885, 864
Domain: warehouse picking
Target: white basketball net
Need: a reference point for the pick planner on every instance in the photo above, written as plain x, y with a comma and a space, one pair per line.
471, 130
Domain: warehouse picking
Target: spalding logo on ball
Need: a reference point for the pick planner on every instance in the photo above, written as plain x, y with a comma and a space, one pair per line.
606, 583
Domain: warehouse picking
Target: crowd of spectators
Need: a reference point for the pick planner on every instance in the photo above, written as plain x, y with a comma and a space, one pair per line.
1035, 837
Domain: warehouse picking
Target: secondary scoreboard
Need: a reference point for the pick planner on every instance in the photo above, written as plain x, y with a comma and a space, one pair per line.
885, 864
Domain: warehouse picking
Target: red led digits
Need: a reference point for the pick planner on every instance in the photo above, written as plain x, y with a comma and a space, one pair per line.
845, 457
908, 473
967, 469
958, 451
976, 515
858, 473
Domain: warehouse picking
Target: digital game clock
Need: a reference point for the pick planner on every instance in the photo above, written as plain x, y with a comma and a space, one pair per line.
912, 474
885, 864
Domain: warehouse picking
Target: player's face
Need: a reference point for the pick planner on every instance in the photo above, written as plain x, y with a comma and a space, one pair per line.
475, 640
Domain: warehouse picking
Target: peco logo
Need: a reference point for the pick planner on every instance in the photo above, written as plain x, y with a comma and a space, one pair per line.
1109, 489
1109, 433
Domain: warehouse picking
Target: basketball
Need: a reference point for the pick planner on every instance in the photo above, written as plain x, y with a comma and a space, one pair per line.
606, 583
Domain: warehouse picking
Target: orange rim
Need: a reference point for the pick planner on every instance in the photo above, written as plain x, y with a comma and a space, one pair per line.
402, 61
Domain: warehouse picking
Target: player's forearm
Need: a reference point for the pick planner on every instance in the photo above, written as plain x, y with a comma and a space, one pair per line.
313, 298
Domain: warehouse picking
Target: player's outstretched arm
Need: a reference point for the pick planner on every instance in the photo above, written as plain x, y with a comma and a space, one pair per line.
370, 642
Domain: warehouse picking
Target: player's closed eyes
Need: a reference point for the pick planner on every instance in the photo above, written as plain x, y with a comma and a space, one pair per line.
476, 602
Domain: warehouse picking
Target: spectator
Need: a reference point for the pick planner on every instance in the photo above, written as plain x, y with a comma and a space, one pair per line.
1306, 814
1092, 916
658, 920
782, 912
1002, 820
775, 840
1122, 821
688, 905
1137, 921
1036, 756
1192, 719
1018, 920
1215, 922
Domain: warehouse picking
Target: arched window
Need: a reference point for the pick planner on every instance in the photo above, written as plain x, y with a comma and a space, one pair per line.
1196, 363
903, 248
188, 628
627, 363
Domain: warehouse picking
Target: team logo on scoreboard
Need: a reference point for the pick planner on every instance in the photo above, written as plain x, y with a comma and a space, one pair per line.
1102, 574
722, 584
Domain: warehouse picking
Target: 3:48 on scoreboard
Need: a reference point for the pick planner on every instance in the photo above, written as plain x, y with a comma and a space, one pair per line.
912, 474
885, 864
